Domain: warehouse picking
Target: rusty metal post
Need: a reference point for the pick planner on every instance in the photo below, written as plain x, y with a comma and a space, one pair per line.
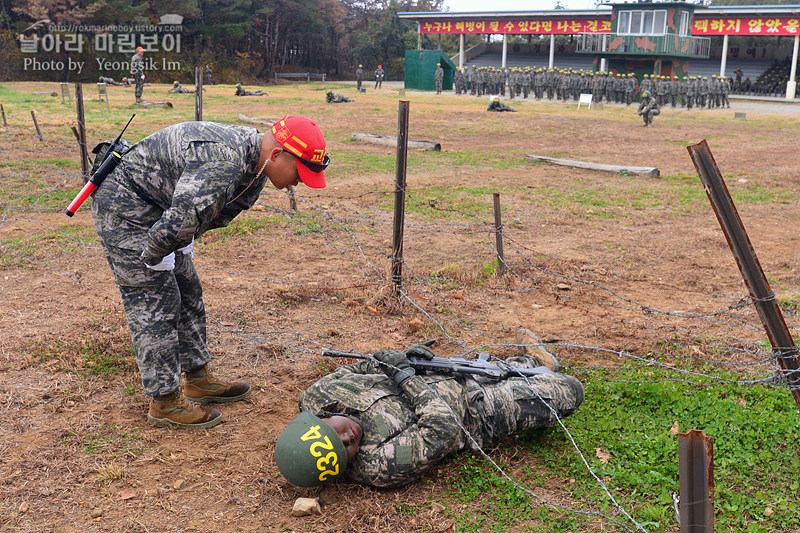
400, 194
498, 234
82, 130
198, 93
3, 111
783, 346
36, 123
696, 470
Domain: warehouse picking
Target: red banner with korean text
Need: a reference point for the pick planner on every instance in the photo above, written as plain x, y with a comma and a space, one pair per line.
746, 26
535, 26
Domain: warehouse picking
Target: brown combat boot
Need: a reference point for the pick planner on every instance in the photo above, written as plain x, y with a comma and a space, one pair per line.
539, 353
175, 410
203, 387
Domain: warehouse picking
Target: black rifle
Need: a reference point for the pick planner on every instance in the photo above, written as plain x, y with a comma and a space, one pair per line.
112, 159
455, 365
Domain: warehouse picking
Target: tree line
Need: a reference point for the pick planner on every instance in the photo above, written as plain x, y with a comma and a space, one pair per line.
241, 40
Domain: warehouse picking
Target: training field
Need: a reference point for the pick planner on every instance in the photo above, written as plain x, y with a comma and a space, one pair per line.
629, 280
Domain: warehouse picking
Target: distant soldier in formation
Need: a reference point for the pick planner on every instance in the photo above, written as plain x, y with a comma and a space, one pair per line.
109, 81
630, 88
674, 91
648, 108
379, 75
726, 90
459, 81
240, 91
177, 89
438, 78
359, 77
691, 92
496, 105
738, 83
336, 98
471, 75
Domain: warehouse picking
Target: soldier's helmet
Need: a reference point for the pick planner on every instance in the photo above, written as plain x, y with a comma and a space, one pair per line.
328, 91
705, 77
438, 64
496, 99
309, 452
359, 66
100, 78
645, 94
175, 82
238, 84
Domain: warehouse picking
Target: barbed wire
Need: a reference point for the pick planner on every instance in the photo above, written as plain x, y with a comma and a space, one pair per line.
346, 231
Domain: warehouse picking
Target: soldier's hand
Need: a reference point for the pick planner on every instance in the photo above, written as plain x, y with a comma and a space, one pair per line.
394, 364
168, 263
421, 350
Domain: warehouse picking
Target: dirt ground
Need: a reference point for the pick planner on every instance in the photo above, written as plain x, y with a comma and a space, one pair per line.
591, 256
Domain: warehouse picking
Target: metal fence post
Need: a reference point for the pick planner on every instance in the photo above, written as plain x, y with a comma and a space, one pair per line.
783, 346
696, 470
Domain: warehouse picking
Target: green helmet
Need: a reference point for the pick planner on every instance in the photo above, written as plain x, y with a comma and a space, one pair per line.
309, 452
645, 94
175, 82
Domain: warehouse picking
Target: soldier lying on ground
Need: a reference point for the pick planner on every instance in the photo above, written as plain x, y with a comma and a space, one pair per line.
241, 92
386, 426
496, 105
648, 108
109, 81
169, 189
336, 98
176, 88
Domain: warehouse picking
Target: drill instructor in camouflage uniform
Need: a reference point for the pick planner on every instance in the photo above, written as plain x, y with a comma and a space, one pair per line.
394, 425
169, 189
137, 71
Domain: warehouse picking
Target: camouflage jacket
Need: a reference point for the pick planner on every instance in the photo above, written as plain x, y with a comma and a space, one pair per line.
137, 64
407, 430
180, 182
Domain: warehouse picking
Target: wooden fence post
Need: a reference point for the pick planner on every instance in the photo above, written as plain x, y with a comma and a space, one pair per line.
400, 194
82, 130
498, 234
35, 123
198, 93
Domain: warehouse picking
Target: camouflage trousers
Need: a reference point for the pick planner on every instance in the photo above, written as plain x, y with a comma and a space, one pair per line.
514, 405
139, 79
165, 309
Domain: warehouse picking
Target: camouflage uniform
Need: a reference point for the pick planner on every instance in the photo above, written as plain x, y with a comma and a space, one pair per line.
336, 98
241, 91
359, 78
407, 430
648, 108
109, 81
179, 89
438, 77
170, 188
379, 75
137, 69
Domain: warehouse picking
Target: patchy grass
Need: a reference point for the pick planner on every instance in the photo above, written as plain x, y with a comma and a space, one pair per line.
754, 467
